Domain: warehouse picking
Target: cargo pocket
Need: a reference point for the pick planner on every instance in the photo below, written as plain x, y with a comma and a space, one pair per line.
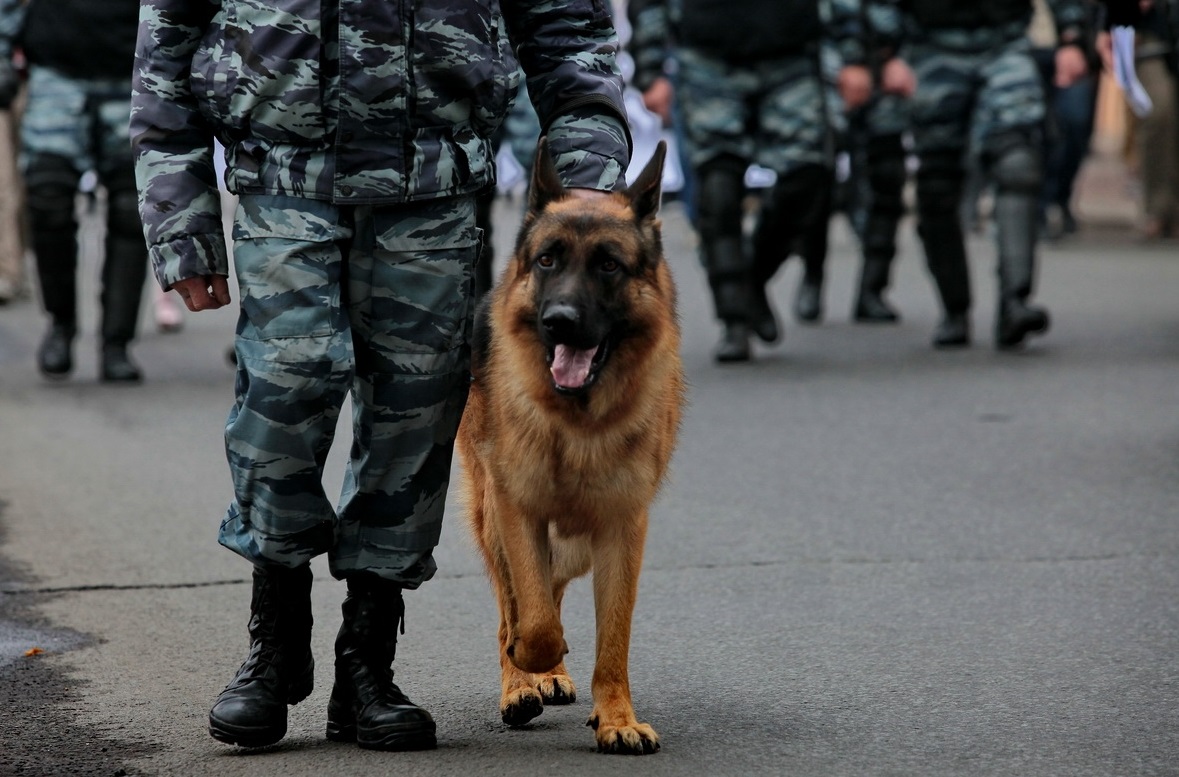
288, 269
422, 280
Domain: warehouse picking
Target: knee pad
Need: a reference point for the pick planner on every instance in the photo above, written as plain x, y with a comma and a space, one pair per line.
1018, 169
51, 184
939, 183
720, 192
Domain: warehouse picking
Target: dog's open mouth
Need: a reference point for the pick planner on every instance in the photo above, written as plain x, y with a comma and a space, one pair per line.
575, 369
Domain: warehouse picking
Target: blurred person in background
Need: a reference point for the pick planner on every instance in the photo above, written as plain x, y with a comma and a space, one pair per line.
80, 56
977, 91
749, 89
12, 226
1156, 134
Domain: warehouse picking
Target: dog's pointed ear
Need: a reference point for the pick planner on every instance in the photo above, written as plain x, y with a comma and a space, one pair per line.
545, 186
647, 189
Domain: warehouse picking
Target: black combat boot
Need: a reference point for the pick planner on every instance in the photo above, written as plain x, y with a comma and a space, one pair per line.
366, 707
279, 670
55, 356
808, 301
734, 343
952, 332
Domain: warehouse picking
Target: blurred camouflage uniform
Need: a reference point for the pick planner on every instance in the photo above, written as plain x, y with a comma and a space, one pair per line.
979, 91
357, 137
749, 90
80, 58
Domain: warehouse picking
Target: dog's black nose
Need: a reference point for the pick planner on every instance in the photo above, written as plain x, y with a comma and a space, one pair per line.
560, 319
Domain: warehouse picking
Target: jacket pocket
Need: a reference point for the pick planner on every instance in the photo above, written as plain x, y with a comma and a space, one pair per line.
258, 69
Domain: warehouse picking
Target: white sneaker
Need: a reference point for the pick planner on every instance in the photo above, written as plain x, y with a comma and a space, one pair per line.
167, 312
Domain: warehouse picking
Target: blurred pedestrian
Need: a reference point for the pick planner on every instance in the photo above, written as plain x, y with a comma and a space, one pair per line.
1156, 134
80, 58
978, 89
1069, 117
750, 91
12, 227
357, 136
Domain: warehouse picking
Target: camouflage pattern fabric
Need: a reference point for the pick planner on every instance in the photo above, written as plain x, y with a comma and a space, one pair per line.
372, 301
360, 102
84, 121
770, 113
968, 95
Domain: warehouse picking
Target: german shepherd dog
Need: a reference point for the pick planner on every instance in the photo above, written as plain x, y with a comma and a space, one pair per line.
572, 417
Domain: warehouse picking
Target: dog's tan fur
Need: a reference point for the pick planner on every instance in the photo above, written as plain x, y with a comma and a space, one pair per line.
556, 485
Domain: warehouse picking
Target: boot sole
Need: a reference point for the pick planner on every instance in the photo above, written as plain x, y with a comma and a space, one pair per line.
245, 736
395, 738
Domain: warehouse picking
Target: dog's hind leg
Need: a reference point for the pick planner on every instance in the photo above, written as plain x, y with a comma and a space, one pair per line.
618, 557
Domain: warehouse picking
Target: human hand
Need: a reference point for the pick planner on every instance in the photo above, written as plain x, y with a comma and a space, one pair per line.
1070, 66
205, 292
896, 77
854, 85
658, 99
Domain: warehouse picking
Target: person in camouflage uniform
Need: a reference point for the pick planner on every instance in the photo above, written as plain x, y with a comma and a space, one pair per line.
75, 120
357, 136
978, 90
749, 89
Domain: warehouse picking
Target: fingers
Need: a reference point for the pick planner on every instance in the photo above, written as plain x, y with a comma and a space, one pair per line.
204, 293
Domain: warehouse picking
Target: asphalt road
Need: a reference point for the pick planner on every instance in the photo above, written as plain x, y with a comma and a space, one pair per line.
871, 559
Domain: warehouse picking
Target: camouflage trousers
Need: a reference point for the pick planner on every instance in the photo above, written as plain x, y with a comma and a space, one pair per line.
770, 113
368, 301
84, 121
968, 96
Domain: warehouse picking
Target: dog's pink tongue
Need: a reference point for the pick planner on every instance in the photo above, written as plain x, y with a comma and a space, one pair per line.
571, 367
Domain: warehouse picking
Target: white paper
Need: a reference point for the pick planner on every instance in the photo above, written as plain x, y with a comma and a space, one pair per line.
1124, 73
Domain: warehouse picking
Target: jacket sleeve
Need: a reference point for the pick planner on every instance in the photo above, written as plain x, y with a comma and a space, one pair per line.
173, 145
650, 40
568, 50
12, 14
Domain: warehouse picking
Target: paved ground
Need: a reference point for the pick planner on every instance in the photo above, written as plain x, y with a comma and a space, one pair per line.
871, 559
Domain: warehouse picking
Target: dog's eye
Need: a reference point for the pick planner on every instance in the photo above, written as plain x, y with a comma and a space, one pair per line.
545, 260
610, 266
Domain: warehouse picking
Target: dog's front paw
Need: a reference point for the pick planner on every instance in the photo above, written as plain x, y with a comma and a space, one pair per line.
556, 688
632, 739
520, 706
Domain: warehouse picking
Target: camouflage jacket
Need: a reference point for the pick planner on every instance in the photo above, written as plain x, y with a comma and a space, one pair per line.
356, 102
655, 24
891, 23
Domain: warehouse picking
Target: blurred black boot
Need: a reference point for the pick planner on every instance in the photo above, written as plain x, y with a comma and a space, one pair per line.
952, 332
734, 343
55, 356
279, 670
117, 366
808, 301
366, 706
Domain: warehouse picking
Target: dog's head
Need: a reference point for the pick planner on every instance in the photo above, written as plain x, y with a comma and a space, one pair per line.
588, 269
